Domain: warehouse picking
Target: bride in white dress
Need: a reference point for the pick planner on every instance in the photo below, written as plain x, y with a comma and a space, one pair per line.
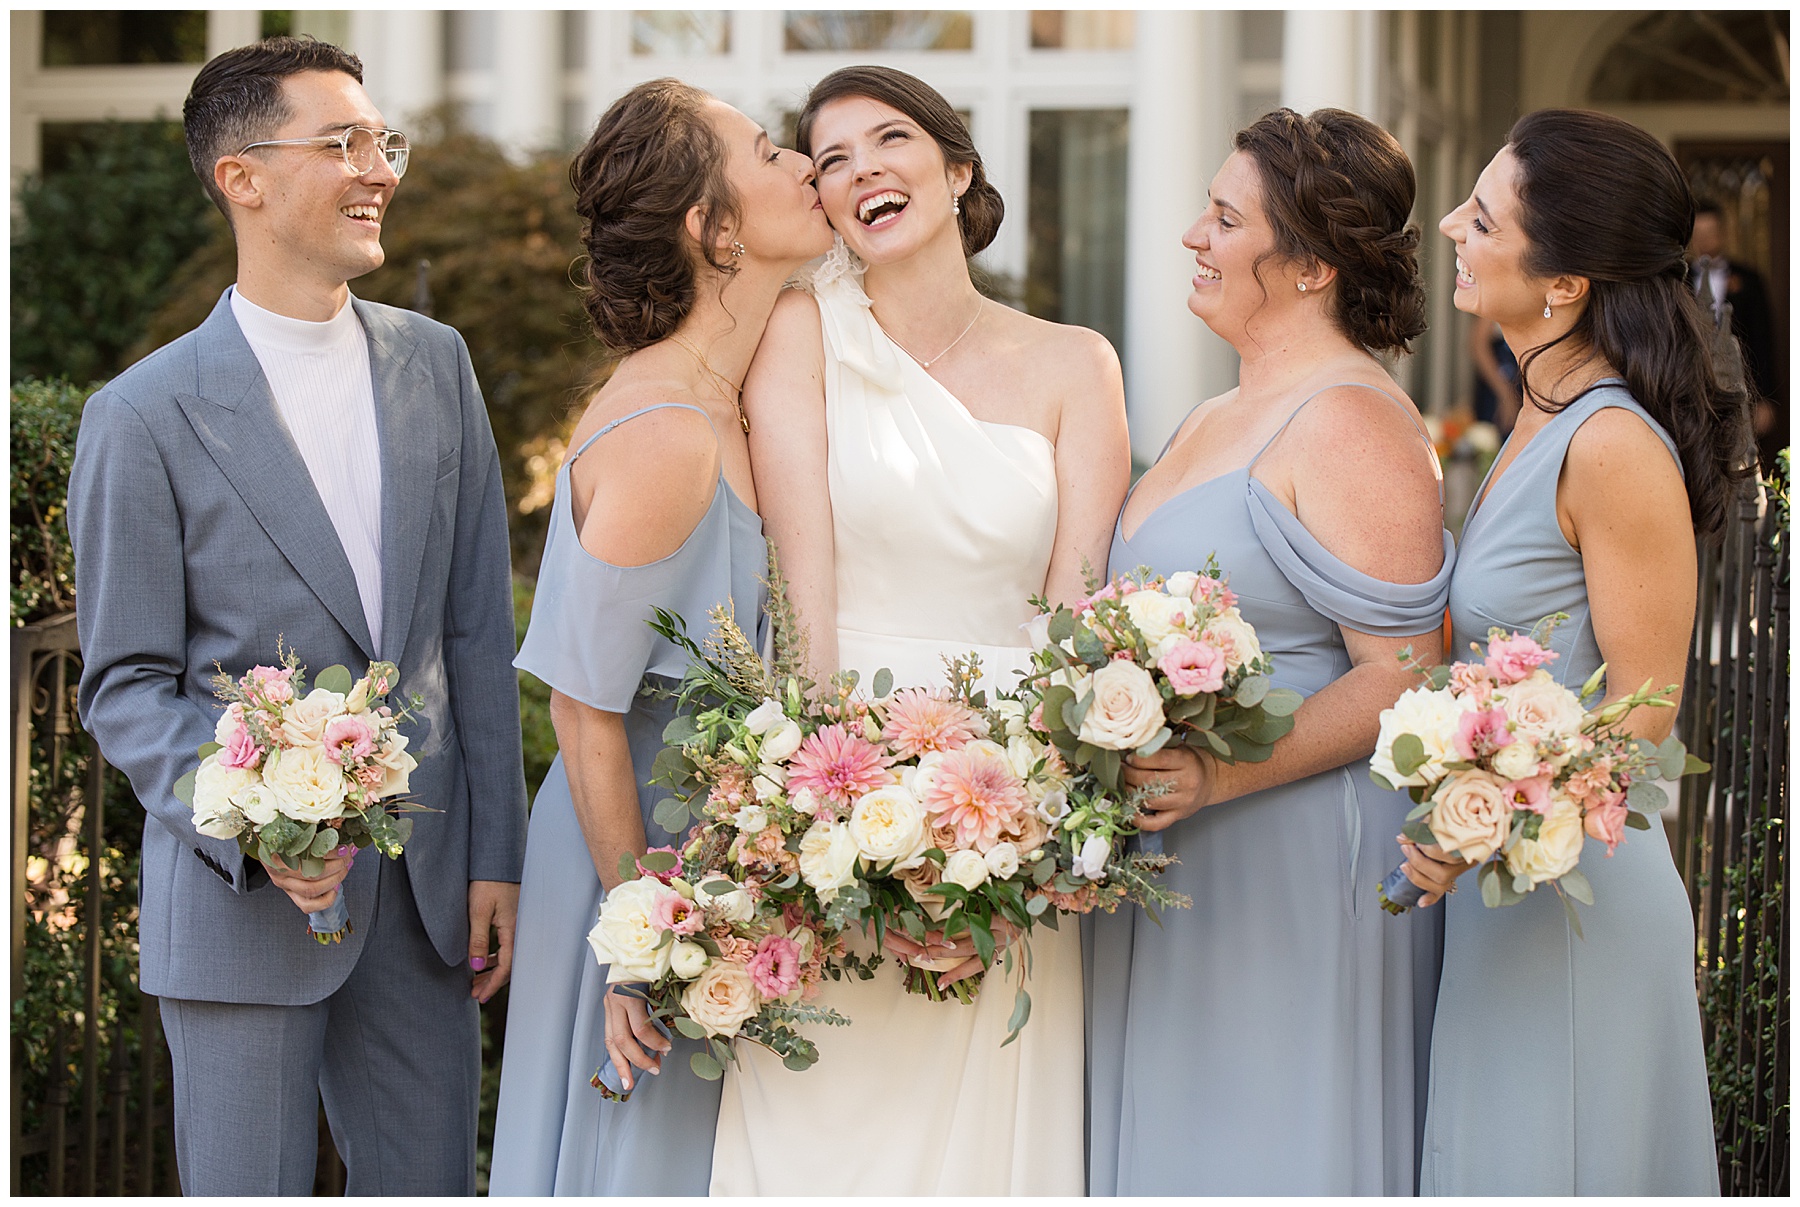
927, 460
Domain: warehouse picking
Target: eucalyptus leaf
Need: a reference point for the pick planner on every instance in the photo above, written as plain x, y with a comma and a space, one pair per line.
1419, 810
689, 1027
705, 1067
1695, 766
718, 888
680, 730
1037, 905
323, 843
209, 748
671, 814
1089, 648
312, 868
1418, 832
1282, 702
1380, 780
1646, 797
1409, 754
1106, 769
335, 679
1020, 1016
799, 1062
1251, 691
1438, 677
1489, 879
184, 789
1216, 743
1062, 625
1636, 821
1156, 743
1576, 885
883, 684
1569, 911
658, 861
984, 940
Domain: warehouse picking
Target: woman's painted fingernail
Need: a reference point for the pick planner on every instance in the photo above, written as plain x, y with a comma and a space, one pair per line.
478, 963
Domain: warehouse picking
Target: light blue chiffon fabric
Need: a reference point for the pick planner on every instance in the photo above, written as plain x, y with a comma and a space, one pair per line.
1563, 1065
1272, 1038
589, 640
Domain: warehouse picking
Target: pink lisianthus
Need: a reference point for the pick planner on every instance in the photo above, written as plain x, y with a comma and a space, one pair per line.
1036, 719
775, 968
1605, 820
1513, 658
348, 738
920, 720
1194, 666
837, 766
241, 750
667, 876
674, 912
1532, 793
1481, 732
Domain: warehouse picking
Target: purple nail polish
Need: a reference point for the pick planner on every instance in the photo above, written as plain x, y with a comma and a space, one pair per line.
477, 962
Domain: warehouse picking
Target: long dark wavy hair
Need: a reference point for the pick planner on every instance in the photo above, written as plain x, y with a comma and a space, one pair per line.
1600, 198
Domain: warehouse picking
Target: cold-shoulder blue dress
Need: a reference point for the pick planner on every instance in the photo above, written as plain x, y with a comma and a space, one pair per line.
1564, 1065
589, 640
1272, 1038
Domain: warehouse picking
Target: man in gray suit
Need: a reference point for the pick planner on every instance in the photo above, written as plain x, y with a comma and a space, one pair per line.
312, 468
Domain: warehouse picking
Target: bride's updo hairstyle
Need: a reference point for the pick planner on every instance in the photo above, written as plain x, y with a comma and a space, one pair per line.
1338, 190
1600, 198
652, 157
982, 208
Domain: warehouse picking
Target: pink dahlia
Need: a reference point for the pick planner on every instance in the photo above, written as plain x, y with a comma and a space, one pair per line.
836, 766
975, 794
920, 720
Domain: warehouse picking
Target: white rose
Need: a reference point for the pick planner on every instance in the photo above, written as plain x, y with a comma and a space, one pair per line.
1556, 849
1012, 715
1470, 815
827, 858
396, 766
1234, 637
1127, 710
732, 906
1090, 861
1432, 717
306, 784
305, 719
1181, 584
967, 868
723, 999
217, 786
1003, 860
1517, 760
259, 805
1540, 710
752, 819
1022, 755
1156, 615
888, 827
1054, 807
763, 717
625, 938
688, 959
781, 741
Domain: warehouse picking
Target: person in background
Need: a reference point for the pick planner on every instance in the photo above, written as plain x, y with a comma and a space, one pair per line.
1713, 274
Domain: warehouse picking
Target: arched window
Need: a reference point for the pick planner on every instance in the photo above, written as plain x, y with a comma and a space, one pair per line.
1698, 57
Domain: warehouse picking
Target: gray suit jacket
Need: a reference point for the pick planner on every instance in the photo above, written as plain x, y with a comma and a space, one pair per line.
201, 539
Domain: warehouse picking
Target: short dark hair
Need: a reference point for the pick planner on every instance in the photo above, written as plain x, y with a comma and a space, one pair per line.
652, 157
1710, 207
236, 99
981, 208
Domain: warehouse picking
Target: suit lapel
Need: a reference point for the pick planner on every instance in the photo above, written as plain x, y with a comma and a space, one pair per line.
235, 418
406, 414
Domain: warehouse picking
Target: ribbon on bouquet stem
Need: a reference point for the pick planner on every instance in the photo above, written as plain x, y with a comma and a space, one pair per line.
331, 924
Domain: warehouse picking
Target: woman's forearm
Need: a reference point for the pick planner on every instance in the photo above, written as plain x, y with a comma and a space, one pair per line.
602, 782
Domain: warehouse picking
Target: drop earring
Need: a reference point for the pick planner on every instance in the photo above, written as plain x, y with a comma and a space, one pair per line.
1547, 310
956, 204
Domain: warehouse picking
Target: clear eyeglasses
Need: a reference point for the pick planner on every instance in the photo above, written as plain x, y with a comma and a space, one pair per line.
359, 145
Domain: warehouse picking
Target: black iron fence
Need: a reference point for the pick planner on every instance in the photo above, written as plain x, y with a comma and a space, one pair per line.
1731, 842
91, 1109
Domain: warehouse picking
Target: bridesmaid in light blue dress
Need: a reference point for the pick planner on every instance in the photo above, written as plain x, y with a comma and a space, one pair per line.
651, 508
1562, 1064
1271, 1039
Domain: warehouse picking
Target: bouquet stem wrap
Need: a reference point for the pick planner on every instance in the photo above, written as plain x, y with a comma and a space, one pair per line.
1398, 893
331, 924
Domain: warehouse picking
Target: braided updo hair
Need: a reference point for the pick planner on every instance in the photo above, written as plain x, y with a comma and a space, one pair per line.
652, 157
1600, 198
981, 205
1338, 190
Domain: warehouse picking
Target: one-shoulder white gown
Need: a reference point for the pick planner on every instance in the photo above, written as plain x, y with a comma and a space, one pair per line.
944, 525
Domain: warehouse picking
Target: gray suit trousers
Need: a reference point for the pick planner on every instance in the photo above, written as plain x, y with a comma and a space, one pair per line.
395, 1052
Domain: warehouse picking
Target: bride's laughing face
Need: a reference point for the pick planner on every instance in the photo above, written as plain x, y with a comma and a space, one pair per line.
883, 180
782, 219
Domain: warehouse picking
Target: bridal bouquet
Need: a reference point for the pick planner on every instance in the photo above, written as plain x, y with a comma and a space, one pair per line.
718, 959
295, 775
924, 809
1144, 661
1509, 770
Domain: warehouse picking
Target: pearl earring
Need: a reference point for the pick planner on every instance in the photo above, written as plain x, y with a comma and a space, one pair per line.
956, 203
1547, 310
1302, 286
737, 249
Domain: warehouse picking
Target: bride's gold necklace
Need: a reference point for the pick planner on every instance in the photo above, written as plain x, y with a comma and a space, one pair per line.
980, 307
734, 392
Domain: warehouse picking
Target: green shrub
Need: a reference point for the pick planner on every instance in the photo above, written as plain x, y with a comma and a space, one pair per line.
97, 244
501, 239
45, 416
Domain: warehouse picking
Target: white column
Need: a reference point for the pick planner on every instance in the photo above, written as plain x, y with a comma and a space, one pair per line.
1183, 100
27, 132
1320, 60
528, 78
403, 61
227, 28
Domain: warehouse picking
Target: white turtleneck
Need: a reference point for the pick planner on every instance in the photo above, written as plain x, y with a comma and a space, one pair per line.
319, 374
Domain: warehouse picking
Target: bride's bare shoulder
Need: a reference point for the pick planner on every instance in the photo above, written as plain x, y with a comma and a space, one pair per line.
1078, 362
